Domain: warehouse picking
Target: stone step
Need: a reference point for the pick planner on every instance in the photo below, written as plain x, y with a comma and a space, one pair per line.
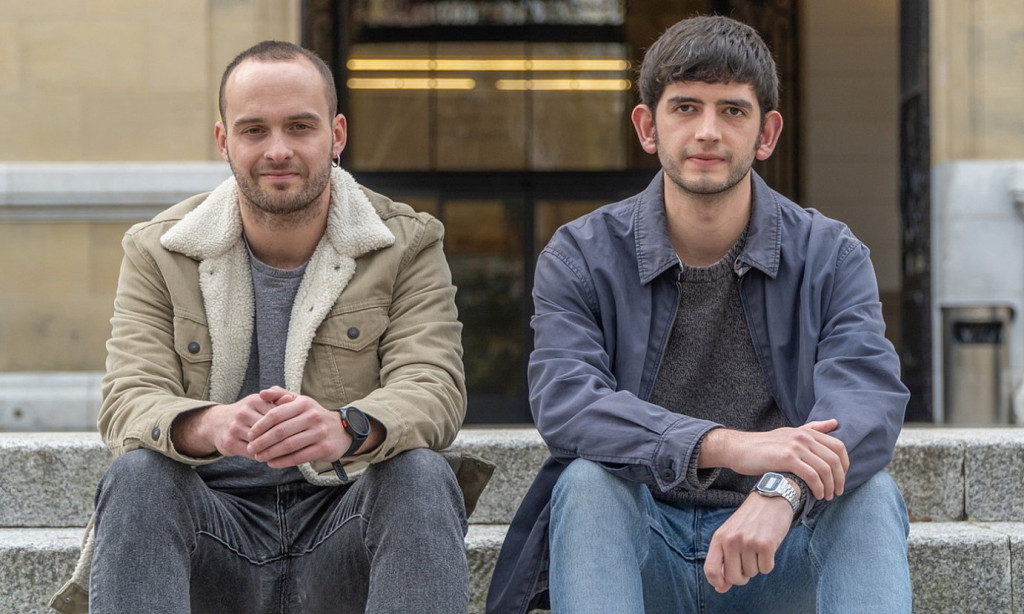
49, 479
955, 567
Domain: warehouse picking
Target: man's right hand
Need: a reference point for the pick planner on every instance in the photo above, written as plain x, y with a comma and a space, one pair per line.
808, 452
218, 428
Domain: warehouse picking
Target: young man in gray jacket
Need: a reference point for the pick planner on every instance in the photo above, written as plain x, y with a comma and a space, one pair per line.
711, 377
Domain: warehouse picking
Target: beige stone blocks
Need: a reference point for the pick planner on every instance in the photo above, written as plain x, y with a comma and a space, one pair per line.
59, 281
977, 81
122, 79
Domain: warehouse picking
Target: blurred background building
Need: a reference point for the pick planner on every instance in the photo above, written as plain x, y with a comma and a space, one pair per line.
507, 118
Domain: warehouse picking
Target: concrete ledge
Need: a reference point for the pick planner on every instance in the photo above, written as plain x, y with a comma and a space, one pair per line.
34, 563
49, 479
955, 567
50, 401
928, 465
961, 567
100, 191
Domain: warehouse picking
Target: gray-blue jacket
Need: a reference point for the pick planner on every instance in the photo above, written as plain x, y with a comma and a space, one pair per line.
605, 297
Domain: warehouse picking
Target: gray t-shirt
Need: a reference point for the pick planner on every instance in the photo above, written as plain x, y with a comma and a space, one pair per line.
274, 291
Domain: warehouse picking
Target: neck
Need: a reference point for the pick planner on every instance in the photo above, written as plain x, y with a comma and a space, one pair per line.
704, 227
284, 241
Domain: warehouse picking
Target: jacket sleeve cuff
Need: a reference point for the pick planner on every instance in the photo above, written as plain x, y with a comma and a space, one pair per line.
678, 468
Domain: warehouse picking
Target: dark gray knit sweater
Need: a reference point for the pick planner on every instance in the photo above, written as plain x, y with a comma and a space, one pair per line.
710, 371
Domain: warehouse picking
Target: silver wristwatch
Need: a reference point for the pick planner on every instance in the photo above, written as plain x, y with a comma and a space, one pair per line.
774, 484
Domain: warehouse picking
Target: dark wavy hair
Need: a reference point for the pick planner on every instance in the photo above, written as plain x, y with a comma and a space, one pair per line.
709, 49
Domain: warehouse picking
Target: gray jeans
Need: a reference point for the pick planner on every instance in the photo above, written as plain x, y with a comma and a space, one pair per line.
391, 542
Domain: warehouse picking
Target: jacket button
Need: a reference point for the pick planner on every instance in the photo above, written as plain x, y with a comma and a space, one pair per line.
668, 475
156, 433
193, 348
353, 333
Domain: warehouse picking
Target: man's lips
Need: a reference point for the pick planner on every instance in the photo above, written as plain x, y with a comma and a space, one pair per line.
279, 175
705, 159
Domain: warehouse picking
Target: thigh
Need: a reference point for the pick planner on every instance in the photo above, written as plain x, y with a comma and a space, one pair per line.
392, 541
164, 537
328, 565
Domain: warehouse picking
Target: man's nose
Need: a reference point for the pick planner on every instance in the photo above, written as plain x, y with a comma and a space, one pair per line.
707, 128
278, 148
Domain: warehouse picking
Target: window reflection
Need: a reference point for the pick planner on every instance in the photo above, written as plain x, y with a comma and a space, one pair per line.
484, 248
468, 106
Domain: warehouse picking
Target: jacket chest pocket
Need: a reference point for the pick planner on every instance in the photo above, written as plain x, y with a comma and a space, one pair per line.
345, 357
195, 354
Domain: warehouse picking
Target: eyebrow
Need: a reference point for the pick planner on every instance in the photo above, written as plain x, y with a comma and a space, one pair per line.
722, 102
247, 121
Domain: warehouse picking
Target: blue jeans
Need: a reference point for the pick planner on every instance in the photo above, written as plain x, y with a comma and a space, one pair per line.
615, 549
391, 542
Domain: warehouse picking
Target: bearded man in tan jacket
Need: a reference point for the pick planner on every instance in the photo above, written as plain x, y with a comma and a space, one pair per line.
273, 341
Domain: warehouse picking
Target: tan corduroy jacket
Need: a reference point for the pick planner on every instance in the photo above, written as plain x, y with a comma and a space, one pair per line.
373, 326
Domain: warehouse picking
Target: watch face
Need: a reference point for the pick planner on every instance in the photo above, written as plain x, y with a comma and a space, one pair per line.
357, 422
770, 482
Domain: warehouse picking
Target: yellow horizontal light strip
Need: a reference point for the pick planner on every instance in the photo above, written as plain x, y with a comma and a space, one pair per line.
575, 85
411, 84
452, 64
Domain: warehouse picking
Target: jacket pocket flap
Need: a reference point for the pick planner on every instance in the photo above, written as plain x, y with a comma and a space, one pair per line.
192, 340
353, 330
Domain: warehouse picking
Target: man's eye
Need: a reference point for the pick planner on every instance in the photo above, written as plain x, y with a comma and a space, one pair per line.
735, 111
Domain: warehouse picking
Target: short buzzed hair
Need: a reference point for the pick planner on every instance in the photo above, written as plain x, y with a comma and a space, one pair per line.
281, 51
710, 49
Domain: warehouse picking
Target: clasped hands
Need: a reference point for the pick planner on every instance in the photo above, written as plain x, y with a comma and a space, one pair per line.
746, 543
275, 427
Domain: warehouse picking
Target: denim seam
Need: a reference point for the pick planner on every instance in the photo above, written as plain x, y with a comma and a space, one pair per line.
328, 535
238, 552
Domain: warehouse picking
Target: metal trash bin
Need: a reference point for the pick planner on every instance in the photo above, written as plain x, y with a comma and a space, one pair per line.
976, 382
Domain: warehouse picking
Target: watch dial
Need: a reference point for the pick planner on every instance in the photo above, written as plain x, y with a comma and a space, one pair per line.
358, 421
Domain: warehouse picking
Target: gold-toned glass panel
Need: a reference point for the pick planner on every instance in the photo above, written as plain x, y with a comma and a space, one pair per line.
550, 215
476, 12
483, 128
389, 128
489, 106
580, 128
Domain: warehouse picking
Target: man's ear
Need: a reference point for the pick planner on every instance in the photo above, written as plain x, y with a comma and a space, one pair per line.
339, 130
220, 135
643, 121
769, 135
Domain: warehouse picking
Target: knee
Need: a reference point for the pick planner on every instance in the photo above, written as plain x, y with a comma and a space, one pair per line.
587, 484
877, 503
141, 475
418, 480
882, 493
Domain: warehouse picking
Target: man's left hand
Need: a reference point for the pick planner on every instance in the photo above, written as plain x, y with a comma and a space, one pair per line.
745, 544
297, 430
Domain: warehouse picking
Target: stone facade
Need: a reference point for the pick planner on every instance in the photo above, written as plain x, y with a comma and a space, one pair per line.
90, 81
